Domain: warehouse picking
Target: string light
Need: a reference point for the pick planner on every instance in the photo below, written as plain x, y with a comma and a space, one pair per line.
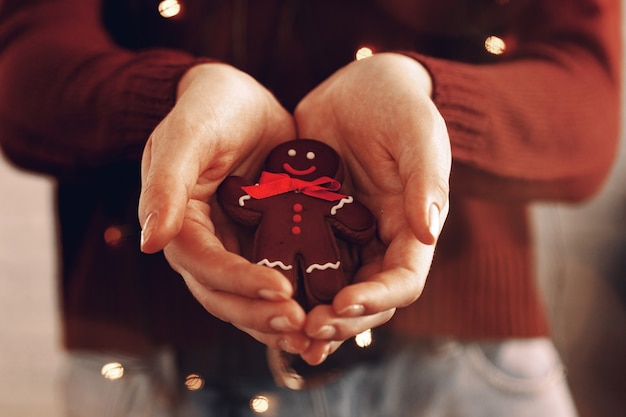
194, 382
113, 235
112, 371
363, 53
169, 8
260, 404
495, 45
364, 339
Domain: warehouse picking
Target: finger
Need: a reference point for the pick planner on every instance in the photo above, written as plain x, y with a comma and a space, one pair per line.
426, 182
426, 207
324, 324
260, 315
398, 283
170, 169
197, 252
292, 342
273, 320
319, 350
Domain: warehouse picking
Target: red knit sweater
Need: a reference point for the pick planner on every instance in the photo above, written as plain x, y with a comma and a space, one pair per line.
82, 86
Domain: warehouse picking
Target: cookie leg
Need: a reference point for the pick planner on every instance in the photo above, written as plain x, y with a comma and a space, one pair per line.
322, 282
288, 270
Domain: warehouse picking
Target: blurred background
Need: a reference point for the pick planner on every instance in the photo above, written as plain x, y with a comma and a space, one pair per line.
581, 256
30, 350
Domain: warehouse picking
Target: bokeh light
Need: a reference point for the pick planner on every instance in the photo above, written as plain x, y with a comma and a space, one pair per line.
260, 404
364, 339
113, 235
495, 45
363, 53
169, 8
194, 382
112, 371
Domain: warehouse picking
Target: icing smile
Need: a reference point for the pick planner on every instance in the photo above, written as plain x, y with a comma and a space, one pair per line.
291, 170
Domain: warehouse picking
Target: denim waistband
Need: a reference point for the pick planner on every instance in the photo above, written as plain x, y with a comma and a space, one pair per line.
250, 360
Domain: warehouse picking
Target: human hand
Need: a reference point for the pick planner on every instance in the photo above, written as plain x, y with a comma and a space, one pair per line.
223, 123
378, 114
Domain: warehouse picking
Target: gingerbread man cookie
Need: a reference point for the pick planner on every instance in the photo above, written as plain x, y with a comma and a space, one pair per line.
299, 214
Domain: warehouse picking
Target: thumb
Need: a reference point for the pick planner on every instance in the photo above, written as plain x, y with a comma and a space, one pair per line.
426, 185
426, 208
168, 176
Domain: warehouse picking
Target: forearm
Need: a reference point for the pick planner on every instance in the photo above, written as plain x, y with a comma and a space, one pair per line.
540, 123
71, 99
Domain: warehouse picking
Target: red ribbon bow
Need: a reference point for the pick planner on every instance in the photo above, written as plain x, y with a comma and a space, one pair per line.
271, 184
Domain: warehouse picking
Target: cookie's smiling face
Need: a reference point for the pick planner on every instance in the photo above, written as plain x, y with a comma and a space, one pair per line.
306, 159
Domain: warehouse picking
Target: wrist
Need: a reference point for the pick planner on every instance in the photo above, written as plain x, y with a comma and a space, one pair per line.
414, 71
202, 71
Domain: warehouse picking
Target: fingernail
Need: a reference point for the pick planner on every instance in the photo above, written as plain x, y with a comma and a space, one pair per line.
354, 310
323, 357
325, 332
282, 324
285, 345
148, 227
434, 225
272, 295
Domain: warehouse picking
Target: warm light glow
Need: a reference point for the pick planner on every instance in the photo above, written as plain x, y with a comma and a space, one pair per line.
112, 371
194, 382
169, 8
113, 235
363, 339
495, 45
260, 404
363, 52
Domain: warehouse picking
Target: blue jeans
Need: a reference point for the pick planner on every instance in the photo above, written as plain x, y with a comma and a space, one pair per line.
420, 378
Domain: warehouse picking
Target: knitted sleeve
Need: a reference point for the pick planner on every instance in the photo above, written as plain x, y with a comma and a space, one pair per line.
542, 120
70, 99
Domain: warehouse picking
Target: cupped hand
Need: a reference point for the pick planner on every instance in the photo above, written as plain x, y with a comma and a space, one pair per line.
379, 115
223, 123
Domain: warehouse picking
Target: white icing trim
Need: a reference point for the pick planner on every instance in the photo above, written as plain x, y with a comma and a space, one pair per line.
328, 265
341, 203
243, 199
266, 262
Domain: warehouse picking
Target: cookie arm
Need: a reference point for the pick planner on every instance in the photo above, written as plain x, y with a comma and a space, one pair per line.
352, 221
237, 203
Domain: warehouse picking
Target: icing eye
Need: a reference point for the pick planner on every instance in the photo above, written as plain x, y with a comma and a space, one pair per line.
291, 152
310, 155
